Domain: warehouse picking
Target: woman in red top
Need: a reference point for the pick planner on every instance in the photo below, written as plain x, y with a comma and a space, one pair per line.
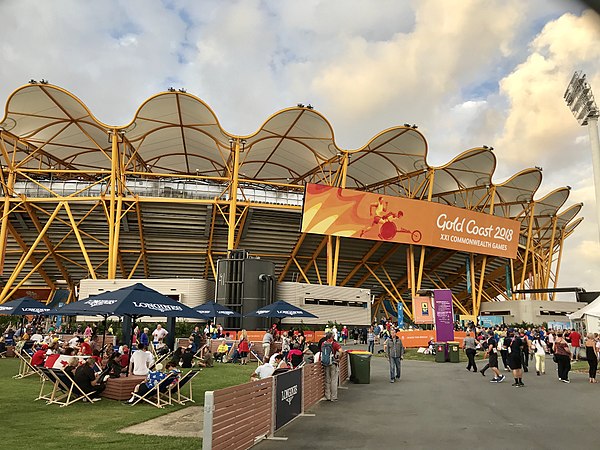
244, 347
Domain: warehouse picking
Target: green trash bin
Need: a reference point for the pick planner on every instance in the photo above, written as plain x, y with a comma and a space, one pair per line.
441, 349
454, 351
360, 366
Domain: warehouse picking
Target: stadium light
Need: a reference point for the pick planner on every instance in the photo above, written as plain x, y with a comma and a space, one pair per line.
580, 100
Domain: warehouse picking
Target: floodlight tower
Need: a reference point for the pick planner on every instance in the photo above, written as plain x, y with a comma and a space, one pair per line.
580, 100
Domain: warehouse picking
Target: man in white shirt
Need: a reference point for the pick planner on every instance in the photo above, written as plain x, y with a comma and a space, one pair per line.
159, 334
264, 371
141, 360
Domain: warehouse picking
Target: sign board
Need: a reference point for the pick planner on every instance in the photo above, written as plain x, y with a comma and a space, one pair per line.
365, 215
422, 310
490, 321
444, 315
288, 390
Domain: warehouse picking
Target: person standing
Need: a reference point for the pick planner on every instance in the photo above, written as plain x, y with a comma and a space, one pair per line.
538, 346
371, 340
470, 347
525, 350
590, 355
267, 340
562, 357
515, 358
394, 350
575, 344
330, 354
159, 334
243, 348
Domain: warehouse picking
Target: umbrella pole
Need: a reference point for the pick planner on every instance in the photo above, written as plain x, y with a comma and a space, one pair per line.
133, 319
103, 337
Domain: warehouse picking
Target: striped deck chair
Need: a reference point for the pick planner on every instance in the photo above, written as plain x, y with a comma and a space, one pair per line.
159, 395
25, 367
65, 391
175, 389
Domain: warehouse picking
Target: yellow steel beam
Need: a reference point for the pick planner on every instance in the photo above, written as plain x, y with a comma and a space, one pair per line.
233, 196
301, 271
364, 259
25, 248
75, 228
289, 262
51, 248
138, 213
22, 263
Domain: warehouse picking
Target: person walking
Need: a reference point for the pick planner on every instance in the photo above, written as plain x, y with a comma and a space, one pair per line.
492, 353
590, 355
538, 346
394, 349
470, 348
562, 357
331, 351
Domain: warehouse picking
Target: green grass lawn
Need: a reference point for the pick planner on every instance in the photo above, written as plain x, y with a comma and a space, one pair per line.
33, 424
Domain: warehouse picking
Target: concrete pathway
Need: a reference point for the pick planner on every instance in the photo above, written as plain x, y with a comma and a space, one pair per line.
444, 406
187, 422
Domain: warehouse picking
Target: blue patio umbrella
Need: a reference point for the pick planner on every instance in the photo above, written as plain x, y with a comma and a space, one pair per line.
280, 310
213, 309
134, 301
24, 306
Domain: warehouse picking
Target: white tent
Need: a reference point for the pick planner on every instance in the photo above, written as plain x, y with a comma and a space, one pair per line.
588, 316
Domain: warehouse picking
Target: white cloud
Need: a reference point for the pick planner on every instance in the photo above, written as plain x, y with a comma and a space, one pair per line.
468, 73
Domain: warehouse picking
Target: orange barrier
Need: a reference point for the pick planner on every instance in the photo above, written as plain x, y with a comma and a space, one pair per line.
415, 339
256, 336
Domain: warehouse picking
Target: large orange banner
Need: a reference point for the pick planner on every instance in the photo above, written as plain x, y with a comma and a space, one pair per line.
422, 310
365, 215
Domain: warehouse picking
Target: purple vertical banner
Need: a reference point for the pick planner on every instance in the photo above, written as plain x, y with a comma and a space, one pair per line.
444, 315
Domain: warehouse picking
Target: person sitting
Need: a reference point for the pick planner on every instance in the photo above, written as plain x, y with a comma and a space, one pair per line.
234, 355
187, 358
2, 347
222, 350
264, 371
141, 360
71, 366
124, 356
114, 366
295, 356
88, 382
153, 378
176, 357
39, 356
280, 362
85, 349
207, 360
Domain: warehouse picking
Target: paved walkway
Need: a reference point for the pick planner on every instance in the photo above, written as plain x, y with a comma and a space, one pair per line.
187, 422
444, 406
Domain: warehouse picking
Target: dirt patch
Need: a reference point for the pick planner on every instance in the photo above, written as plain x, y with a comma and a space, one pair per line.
187, 422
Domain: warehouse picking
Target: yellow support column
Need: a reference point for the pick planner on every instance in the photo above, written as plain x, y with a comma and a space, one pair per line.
5, 214
531, 219
114, 163
231, 222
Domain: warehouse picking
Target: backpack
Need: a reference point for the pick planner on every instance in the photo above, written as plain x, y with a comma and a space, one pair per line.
327, 358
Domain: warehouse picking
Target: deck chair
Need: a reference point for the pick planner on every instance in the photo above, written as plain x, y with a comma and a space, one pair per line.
65, 391
161, 359
159, 395
25, 367
50, 379
175, 389
259, 360
198, 354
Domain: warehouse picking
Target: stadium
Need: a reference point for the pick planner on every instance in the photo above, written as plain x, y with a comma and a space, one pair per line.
170, 193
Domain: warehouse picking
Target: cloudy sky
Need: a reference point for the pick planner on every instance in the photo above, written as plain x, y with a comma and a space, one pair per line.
467, 72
